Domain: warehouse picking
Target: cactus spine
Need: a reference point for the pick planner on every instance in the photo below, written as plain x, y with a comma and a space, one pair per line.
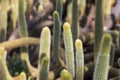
99, 21
102, 63
44, 51
69, 48
79, 60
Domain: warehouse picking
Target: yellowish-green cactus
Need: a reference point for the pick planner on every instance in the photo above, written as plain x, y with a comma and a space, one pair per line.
69, 48
44, 51
102, 63
65, 75
22, 76
79, 60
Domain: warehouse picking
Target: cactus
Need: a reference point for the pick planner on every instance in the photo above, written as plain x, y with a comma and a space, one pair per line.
79, 60
82, 5
99, 21
102, 63
43, 74
44, 51
59, 8
65, 75
22, 76
4, 6
75, 22
14, 13
56, 36
69, 48
69, 13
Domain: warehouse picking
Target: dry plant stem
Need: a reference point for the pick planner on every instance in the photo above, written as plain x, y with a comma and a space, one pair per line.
3, 54
8, 45
99, 21
75, 22
14, 13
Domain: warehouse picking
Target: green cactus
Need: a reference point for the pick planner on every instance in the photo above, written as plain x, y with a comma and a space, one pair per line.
44, 70
75, 22
59, 7
44, 50
102, 63
56, 36
99, 23
65, 75
69, 48
79, 60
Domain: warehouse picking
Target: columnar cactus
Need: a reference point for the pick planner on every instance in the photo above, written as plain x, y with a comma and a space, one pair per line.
75, 22
56, 36
65, 75
44, 68
44, 51
102, 63
59, 7
99, 23
79, 60
4, 6
69, 48
22, 76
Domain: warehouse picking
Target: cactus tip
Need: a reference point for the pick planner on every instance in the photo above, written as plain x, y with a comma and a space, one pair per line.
55, 13
23, 75
65, 75
40, 8
66, 26
78, 44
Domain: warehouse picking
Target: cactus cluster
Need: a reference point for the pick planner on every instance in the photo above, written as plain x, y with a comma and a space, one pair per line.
55, 62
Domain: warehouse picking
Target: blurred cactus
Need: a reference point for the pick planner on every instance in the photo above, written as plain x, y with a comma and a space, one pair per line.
75, 18
65, 75
44, 69
4, 6
14, 13
22, 76
69, 48
59, 7
102, 63
82, 6
43, 62
99, 23
56, 36
79, 60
